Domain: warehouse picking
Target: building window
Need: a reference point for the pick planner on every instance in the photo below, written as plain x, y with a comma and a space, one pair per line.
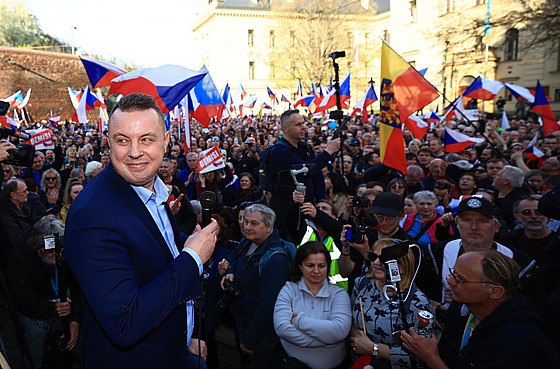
479, 2
557, 94
272, 70
250, 38
512, 39
271, 39
292, 38
251, 70
449, 6
478, 43
413, 11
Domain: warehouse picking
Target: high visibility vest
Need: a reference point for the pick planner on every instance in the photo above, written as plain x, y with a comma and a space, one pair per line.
335, 277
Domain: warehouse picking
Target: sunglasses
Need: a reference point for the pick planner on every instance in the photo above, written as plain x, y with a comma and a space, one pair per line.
50, 178
480, 171
372, 256
442, 185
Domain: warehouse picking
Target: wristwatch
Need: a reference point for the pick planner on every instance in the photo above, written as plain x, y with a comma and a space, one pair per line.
375, 352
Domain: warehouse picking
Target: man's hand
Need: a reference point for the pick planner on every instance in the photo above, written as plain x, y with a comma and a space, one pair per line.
363, 248
74, 332
230, 277
245, 350
202, 242
4, 147
447, 219
425, 348
193, 348
62, 308
223, 266
333, 146
309, 210
298, 197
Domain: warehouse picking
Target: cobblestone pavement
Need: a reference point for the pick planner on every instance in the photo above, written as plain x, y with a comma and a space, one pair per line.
228, 355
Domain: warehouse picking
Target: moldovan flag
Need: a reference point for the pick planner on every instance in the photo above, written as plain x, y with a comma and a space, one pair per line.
167, 84
455, 141
483, 89
41, 138
542, 107
101, 73
532, 151
403, 92
209, 160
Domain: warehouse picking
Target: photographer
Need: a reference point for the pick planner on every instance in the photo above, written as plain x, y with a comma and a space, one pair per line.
33, 281
290, 150
248, 162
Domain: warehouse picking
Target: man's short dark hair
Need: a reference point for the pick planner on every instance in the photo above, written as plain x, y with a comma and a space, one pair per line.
285, 117
425, 150
138, 102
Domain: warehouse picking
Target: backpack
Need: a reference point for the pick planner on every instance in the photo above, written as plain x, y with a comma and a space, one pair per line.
264, 168
285, 248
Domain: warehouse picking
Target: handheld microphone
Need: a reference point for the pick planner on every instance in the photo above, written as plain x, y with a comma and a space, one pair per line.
207, 201
15, 133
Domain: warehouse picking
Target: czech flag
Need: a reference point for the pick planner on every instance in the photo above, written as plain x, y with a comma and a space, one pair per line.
272, 96
369, 98
345, 92
305, 101
542, 107
241, 91
520, 93
285, 99
167, 84
455, 141
483, 89
7, 122
205, 101
299, 88
249, 103
14, 100
314, 89
266, 106
326, 102
101, 73
54, 120
532, 151
433, 117
403, 92
416, 126
226, 97
23, 104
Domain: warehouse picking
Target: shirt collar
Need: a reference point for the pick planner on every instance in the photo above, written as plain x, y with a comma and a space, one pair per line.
161, 192
323, 292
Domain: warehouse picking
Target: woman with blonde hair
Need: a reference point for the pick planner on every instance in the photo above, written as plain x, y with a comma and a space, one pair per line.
50, 188
375, 304
71, 191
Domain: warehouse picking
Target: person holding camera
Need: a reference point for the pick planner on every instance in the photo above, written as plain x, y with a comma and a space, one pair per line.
376, 310
34, 285
286, 153
4, 147
254, 278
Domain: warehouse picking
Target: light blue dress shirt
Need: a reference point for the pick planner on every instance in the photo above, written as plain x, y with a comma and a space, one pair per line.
154, 202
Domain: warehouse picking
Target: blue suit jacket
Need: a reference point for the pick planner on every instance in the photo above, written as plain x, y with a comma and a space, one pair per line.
134, 291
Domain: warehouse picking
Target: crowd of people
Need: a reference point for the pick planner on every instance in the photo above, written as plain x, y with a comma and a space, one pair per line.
296, 271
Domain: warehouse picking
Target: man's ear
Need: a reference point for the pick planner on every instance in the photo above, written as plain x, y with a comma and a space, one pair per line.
496, 292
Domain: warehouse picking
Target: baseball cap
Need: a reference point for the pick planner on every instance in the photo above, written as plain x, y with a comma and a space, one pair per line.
478, 204
387, 203
354, 142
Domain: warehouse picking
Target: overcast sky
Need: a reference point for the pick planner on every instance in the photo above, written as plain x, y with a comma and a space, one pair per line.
144, 32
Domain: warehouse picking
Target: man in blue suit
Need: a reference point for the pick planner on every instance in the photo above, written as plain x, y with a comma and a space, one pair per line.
137, 273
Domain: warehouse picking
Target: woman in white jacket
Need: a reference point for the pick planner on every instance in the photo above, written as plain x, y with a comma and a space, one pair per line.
312, 317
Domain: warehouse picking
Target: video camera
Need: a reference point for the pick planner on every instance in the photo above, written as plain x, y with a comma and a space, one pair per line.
23, 154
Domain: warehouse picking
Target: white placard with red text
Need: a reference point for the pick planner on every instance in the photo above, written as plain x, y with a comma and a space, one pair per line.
209, 160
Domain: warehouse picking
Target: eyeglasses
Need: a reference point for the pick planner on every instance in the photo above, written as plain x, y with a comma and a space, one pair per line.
459, 281
528, 212
50, 178
388, 220
24, 191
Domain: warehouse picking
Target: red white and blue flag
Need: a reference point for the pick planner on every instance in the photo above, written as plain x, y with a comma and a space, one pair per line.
229, 108
532, 151
305, 101
54, 120
25, 101
542, 107
14, 100
299, 88
167, 84
345, 93
241, 91
416, 126
7, 122
369, 98
454, 141
249, 103
101, 73
41, 138
266, 106
205, 101
326, 102
433, 117
272, 96
314, 89
285, 99
520, 93
483, 89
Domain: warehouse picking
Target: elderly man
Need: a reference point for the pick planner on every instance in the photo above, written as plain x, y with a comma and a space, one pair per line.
189, 174
477, 225
137, 273
261, 280
413, 177
497, 320
508, 182
36, 170
438, 171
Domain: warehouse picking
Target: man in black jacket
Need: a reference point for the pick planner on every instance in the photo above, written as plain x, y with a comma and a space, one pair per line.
492, 327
